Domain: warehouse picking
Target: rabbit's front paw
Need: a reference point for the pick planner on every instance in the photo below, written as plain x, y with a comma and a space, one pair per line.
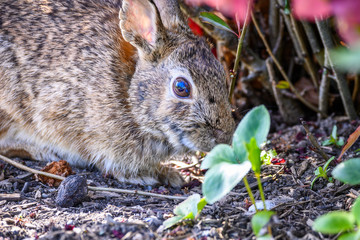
170, 177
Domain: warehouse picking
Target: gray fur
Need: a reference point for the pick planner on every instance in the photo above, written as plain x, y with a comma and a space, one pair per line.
72, 88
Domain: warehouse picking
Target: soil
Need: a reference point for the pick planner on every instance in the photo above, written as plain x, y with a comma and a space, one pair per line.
31, 213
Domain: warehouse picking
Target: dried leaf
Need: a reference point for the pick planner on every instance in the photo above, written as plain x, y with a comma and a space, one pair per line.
61, 168
351, 140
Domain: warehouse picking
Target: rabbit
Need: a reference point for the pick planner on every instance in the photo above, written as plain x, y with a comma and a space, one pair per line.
119, 85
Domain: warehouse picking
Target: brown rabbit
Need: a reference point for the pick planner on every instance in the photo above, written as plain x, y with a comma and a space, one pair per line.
121, 85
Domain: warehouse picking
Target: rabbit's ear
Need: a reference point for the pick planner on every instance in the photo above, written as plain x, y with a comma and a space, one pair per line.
171, 16
139, 23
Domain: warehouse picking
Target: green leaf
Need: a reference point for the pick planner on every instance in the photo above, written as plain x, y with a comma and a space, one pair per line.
328, 162
328, 142
346, 59
220, 153
201, 204
321, 172
313, 182
187, 209
348, 171
188, 206
215, 21
222, 178
256, 123
172, 221
334, 222
254, 155
190, 216
260, 219
333, 132
340, 142
283, 85
355, 210
350, 236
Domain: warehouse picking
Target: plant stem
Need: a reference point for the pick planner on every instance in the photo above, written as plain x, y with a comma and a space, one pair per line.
237, 61
313, 40
250, 192
281, 70
356, 87
261, 190
340, 79
305, 54
324, 86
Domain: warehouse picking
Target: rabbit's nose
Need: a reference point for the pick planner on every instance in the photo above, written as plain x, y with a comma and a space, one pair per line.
221, 136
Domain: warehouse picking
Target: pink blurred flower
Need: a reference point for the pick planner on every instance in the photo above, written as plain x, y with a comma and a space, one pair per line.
228, 7
311, 9
346, 12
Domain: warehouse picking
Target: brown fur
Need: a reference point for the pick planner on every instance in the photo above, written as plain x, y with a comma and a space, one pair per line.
75, 85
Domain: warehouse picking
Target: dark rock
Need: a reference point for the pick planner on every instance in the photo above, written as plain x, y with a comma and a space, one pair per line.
72, 191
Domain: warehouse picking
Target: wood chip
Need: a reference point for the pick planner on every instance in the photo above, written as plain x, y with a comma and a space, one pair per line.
10, 196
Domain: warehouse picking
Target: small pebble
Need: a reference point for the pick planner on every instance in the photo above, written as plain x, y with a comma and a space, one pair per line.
72, 191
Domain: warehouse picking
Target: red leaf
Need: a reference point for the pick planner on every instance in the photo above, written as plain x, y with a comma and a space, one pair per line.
351, 140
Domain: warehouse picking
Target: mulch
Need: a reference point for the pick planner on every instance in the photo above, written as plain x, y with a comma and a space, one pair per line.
28, 209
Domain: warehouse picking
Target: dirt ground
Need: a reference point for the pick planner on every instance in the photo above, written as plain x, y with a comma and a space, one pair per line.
107, 215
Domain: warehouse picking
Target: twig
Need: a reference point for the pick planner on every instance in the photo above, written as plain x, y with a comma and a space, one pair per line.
313, 40
324, 86
313, 141
356, 87
34, 171
308, 63
279, 37
278, 65
276, 92
340, 79
274, 22
299, 43
10, 196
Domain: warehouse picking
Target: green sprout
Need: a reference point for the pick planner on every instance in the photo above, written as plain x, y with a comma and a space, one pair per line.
334, 140
321, 172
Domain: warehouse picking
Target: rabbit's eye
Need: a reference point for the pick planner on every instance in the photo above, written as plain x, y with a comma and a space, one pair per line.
181, 87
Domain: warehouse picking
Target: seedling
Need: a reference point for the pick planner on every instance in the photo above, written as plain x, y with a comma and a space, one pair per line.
227, 165
346, 223
187, 210
258, 221
341, 221
322, 172
334, 140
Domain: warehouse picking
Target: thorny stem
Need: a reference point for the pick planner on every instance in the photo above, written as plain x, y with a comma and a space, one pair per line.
339, 78
278, 65
261, 190
34, 171
248, 189
238, 53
